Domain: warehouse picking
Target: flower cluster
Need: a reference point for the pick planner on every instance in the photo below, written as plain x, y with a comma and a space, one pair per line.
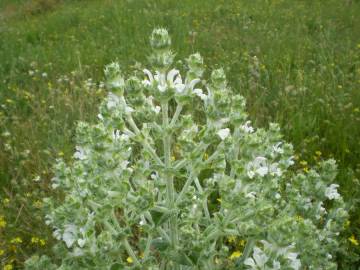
173, 172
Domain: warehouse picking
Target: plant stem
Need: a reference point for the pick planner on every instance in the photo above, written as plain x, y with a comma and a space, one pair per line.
176, 115
130, 251
170, 190
248, 248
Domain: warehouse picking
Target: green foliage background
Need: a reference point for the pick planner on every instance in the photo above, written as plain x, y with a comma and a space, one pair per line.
306, 76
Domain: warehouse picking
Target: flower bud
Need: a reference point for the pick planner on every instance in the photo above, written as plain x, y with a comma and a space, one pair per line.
160, 39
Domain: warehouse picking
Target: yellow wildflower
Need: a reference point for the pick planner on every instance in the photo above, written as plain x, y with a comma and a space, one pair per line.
299, 218
2, 222
353, 240
347, 224
6, 201
8, 267
129, 260
306, 169
2, 252
242, 242
236, 254
34, 240
303, 163
61, 153
231, 239
173, 158
37, 204
318, 153
42, 242
16, 240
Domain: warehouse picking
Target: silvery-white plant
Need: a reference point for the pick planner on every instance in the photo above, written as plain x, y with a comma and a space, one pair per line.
173, 169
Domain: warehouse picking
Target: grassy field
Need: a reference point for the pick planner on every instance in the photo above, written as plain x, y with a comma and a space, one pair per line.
296, 62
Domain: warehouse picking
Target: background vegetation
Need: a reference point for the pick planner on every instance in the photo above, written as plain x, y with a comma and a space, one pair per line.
296, 62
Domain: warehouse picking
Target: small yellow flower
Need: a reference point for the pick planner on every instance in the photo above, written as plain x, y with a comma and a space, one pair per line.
173, 158
299, 218
6, 201
129, 260
16, 240
2, 222
60, 154
318, 153
38, 204
2, 252
8, 267
242, 242
347, 224
231, 239
34, 240
353, 240
236, 254
303, 163
306, 169
42, 242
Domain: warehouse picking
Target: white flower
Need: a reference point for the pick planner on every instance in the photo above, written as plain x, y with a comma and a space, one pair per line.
294, 261
259, 259
44, 74
174, 80
223, 133
275, 170
276, 149
200, 94
150, 80
156, 109
69, 235
276, 265
258, 166
80, 153
251, 195
81, 242
331, 192
247, 128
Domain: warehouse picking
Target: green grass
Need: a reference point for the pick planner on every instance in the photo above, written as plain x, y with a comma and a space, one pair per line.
306, 77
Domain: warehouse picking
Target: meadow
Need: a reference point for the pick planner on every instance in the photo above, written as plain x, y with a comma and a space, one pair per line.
296, 62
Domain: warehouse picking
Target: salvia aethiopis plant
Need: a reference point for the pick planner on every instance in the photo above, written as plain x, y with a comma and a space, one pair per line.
173, 176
